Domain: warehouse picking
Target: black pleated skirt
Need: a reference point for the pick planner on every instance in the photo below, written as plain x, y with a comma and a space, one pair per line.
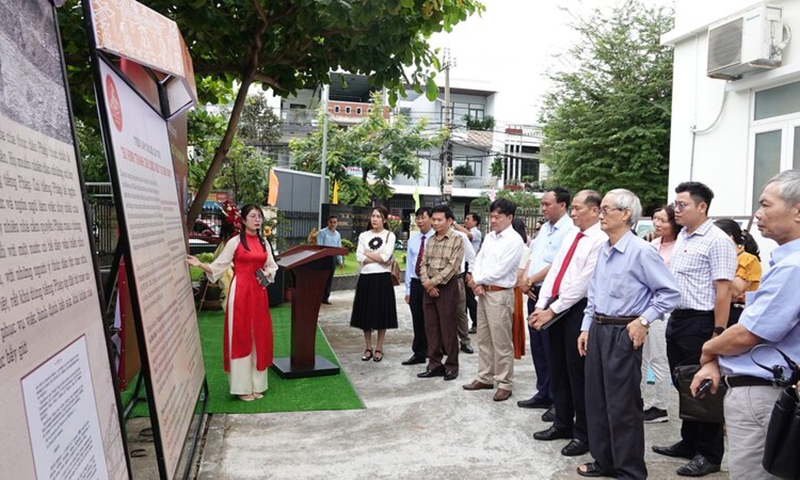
374, 307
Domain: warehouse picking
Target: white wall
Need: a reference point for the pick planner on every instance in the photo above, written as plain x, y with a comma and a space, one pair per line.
721, 157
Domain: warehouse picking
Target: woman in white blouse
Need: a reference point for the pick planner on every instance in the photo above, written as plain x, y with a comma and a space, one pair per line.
374, 306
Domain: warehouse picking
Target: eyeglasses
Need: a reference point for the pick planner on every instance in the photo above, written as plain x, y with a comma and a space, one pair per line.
604, 210
679, 206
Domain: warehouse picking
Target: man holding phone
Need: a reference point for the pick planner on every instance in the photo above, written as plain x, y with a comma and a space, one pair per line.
772, 317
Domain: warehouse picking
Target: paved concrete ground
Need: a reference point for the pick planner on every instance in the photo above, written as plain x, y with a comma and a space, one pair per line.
411, 428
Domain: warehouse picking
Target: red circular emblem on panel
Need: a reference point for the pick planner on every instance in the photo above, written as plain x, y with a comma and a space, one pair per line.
113, 102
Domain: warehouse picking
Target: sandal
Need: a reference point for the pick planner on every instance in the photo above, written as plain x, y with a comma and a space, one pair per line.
367, 355
258, 396
247, 398
592, 470
377, 358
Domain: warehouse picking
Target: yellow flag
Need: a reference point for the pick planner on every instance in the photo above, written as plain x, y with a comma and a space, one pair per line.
335, 200
415, 196
272, 198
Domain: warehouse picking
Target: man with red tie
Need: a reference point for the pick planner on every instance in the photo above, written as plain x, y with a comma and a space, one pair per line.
563, 298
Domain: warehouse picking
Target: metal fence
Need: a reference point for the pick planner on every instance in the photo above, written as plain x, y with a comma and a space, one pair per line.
294, 227
103, 217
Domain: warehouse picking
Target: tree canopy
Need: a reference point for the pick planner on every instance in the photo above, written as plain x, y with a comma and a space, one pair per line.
607, 122
289, 44
380, 149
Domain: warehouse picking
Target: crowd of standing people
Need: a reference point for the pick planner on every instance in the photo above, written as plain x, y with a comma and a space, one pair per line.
605, 307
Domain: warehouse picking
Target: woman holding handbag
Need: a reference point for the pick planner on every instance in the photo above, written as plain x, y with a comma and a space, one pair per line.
374, 306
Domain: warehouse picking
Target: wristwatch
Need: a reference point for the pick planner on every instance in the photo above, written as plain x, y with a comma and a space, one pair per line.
719, 330
528, 282
644, 322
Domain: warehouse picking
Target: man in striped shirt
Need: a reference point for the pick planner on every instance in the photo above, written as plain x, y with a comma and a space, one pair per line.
704, 263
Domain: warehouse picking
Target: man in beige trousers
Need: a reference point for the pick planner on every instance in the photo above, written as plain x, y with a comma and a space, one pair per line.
493, 280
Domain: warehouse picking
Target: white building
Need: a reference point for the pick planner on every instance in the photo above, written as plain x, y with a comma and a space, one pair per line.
516, 145
734, 133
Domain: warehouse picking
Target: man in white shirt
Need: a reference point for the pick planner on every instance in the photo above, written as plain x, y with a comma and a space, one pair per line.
544, 248
471, 223
493, 280
467, 264
564, 293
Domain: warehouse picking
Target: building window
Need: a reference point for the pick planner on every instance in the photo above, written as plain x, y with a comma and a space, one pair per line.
336, 109
774, 102
369, 110
775, 135
347, 110
358, 110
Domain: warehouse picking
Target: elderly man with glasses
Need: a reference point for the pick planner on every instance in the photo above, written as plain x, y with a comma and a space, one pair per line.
704, 263
630, 288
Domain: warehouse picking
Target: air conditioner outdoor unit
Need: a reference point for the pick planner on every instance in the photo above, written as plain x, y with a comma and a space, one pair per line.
747, 42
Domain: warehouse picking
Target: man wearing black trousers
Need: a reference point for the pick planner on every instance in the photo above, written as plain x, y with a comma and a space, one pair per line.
543, 250
414, 290
564, 293
704, 264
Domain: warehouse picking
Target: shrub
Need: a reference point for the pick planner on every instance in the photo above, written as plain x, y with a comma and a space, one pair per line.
348, 245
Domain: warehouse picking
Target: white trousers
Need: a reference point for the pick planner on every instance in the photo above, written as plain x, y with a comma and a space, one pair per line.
654, 355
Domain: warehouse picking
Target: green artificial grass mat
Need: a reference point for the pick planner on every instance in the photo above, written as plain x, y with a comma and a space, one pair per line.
334, 392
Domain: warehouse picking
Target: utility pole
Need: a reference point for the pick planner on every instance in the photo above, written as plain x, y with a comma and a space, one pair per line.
323, 191
447, 148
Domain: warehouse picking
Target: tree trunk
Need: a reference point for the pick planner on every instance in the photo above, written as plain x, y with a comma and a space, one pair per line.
221, 154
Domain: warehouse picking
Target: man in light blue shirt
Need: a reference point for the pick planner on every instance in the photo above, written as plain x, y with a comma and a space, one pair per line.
329, 237
543, 251
771, 317
630, 288
414, 289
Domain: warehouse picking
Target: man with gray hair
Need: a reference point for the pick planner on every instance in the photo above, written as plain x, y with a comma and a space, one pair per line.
772, 318
630, 288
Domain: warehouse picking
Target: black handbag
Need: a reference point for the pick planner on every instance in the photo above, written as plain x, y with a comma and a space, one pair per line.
707, 408
782, 444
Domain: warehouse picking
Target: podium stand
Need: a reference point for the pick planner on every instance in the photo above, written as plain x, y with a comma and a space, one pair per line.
311, 265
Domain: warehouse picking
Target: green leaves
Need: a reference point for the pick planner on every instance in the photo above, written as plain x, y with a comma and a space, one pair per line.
381, 150
431, 90
607, 123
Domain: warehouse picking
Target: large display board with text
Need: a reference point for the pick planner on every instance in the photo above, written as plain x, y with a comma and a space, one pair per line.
151, 217
59, 415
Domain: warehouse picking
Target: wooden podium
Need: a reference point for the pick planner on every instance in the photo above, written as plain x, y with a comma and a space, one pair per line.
311, 265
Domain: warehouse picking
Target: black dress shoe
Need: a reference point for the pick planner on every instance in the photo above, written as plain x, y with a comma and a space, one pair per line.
550, 415
552, 433
474, 329
534, 402
466, 348
699, 466
326, 302
450, 375
436, 372
414, 360
679, 450
575, 448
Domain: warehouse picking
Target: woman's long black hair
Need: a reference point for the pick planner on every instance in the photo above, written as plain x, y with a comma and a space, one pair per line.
741, 237
243, 234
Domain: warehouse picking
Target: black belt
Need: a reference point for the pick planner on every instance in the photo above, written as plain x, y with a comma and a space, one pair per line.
601, 319
416, 280
689, 312
747, 381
